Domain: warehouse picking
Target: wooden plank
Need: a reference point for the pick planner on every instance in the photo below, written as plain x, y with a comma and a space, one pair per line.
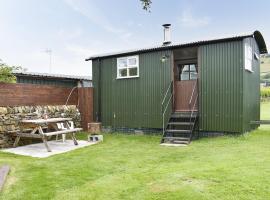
4, 170
63, 131
44, 121
29, 135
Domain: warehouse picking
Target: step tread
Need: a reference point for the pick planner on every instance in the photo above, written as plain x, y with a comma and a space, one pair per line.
175, 115
181, 123
177, 138
178, 131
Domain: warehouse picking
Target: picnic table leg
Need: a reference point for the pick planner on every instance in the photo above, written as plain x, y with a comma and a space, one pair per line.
72, 134
44, 139
17, 139
64, 137
74, 138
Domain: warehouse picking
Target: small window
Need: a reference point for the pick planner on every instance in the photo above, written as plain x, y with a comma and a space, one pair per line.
248, 57
188, 72
128, 67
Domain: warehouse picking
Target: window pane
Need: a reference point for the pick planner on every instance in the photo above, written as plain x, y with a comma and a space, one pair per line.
192, 68
128, 66
122, 62
193, 75
122, 72
185, 68
184, 76
133, 71
132, 61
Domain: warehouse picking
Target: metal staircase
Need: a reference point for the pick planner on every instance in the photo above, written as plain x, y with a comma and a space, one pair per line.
180, 126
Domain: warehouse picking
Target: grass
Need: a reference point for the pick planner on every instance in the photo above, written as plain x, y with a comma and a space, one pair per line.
137, 167
265, 114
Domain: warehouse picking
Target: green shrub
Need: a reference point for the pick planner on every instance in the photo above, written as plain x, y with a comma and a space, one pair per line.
266, 76
6, 74
265, 92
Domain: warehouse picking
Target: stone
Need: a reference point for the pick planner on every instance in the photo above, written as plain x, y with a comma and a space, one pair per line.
3, 110
2, 142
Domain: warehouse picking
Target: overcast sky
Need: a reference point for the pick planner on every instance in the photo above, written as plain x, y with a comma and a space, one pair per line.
77, 29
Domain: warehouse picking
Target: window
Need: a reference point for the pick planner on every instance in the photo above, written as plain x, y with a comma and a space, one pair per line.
128, 67
248, 57
188, 72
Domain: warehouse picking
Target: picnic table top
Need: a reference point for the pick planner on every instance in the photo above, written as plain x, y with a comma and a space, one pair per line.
43, 121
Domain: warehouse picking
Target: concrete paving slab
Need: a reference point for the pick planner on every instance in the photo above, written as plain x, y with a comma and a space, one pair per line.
173, 145
39, 151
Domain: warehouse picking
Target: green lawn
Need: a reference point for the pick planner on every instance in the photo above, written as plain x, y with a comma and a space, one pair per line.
137, 167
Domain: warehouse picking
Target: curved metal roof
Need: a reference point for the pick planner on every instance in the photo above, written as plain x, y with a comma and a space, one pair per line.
260, 41
257, 35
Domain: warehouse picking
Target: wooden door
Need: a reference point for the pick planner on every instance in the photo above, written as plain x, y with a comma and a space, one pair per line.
186, 88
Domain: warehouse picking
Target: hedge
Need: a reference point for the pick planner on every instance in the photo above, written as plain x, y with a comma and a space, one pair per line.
265, 92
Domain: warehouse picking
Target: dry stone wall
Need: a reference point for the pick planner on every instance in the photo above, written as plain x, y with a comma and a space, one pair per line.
11, 116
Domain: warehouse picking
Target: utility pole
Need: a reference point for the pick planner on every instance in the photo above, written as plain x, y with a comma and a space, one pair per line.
49, 52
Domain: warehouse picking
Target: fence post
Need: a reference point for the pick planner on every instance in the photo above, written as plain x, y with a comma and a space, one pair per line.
85, 98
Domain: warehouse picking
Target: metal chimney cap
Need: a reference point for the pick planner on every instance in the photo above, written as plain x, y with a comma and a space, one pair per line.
167, 34
166, 25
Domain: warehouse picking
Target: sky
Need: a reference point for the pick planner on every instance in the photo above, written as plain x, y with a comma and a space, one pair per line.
76, 29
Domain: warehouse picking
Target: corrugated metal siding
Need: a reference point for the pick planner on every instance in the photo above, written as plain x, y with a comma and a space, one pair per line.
44, 81
251, 89
107, 92
221, 87
135, 102
95, 80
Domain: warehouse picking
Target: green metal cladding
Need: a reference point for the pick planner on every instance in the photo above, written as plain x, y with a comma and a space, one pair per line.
133, 102
229, 94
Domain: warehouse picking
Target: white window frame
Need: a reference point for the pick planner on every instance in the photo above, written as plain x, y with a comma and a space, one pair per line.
128, 66
248, 57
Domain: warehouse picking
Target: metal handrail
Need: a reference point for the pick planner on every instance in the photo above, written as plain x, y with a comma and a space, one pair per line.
166, 93
163, 114
191, 97
193, 109
167, 104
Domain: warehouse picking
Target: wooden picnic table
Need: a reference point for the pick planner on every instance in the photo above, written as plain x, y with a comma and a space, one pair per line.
37, 131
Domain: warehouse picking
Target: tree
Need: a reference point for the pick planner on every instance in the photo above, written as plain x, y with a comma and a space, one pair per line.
146, 4
6, 75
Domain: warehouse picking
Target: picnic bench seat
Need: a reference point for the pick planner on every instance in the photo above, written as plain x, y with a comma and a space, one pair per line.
28, 135
63, 131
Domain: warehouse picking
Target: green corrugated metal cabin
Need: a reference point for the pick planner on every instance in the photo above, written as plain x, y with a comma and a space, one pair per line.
218, 80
